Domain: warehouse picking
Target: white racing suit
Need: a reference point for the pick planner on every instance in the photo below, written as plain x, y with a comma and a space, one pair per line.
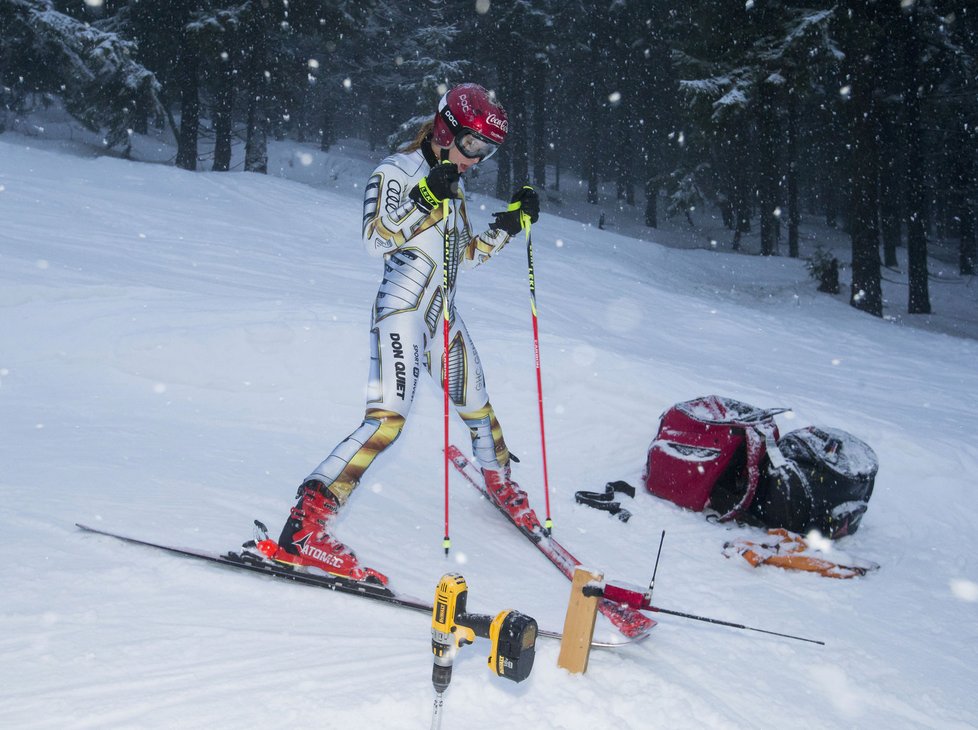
406, 333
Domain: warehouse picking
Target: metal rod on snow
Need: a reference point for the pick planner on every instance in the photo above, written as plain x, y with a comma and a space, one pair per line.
628, 596
643, 602
655, 570
731, 625
436, 713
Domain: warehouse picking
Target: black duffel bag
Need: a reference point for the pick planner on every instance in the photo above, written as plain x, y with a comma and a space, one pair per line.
817, 479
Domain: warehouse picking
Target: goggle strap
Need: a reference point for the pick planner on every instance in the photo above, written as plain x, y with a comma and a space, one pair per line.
450, 120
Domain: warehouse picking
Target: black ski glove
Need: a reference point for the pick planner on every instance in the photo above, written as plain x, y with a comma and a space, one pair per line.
441, 183
525, 202
529, 202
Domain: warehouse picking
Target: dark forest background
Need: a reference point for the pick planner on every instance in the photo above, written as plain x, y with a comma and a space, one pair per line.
862, 112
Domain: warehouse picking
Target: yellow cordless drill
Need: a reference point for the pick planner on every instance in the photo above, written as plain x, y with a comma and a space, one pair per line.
511, 634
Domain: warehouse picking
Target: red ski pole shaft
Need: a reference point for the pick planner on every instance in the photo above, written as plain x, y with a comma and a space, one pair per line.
525, 220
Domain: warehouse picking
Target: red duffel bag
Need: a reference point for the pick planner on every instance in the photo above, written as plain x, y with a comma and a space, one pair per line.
708, 452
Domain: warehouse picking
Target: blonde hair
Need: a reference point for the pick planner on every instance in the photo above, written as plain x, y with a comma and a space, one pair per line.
423, 132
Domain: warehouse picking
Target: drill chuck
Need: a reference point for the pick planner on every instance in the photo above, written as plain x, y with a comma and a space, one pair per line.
441, 677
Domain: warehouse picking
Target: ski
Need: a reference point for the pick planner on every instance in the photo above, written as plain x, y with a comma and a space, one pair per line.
630, 622
252, 563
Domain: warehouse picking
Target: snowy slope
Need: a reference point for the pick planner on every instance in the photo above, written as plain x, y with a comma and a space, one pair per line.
177, 351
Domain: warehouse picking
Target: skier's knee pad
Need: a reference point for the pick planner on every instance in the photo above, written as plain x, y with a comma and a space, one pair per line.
387, 427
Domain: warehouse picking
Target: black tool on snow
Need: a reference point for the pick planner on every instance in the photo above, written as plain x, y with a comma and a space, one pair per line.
605, 500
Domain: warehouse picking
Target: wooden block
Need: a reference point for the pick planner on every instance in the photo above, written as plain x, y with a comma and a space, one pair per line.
582, 612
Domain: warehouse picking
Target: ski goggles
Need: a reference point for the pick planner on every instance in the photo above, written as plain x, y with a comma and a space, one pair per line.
474, 146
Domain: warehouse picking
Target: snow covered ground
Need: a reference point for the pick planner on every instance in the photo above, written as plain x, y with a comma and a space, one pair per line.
177, 350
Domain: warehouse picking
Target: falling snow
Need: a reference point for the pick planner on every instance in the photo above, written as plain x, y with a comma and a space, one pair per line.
177, 386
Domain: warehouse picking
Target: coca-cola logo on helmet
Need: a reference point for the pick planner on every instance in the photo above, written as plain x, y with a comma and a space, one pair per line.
498, 122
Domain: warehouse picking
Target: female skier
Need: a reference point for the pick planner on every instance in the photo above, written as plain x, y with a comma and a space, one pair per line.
404, 223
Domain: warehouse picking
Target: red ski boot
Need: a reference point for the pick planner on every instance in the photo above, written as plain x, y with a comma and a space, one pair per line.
510, 498
305, 541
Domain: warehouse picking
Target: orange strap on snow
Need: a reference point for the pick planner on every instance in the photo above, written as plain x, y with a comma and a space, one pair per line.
788, 550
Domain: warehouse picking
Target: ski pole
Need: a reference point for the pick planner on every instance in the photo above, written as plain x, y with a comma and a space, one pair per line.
643, 602
447, 542
634, 598
731, 625
525, 222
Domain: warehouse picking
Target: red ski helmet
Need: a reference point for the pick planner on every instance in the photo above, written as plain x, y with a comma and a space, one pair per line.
468, 118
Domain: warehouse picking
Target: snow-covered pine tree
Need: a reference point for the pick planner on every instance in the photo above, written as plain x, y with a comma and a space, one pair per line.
861, 41
935, 52
684, 194
420, 37
517, 41
656, 92
743, 91
800, 56
93, 71
709, 42
219, 41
